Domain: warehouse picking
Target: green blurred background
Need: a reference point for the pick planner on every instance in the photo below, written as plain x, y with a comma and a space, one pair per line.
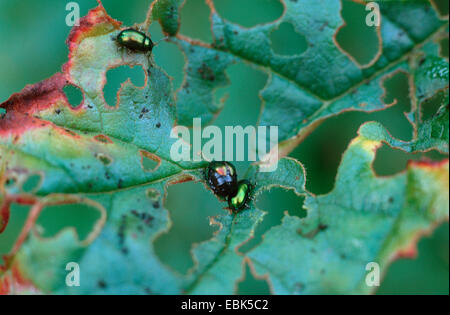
33, 35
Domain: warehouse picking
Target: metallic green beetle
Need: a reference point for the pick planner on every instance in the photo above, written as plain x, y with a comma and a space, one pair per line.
240, 199
135, 40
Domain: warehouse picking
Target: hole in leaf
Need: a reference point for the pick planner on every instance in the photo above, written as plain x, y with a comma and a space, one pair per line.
275, 202
397, 88
389, 161
81, 216
155, 32
169, 57
189, 205
149, 161
241, 98
249, 13
251, 285
74, 95
18, 216
441, 6
2, 113
195, 23
430, 107
118, 76
444, 47
356, 38
321, 152
242, 104
105, 159
32, 183
103, 139
286, 41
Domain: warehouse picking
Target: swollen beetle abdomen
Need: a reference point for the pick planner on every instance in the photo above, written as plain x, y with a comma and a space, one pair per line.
222, 178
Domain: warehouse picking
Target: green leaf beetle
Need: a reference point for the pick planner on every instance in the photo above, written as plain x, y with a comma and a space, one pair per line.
135, 40
239, 200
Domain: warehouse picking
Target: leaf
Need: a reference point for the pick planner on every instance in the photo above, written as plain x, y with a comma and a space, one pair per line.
219, 262
323, 81
167, 14
93, 154
96, 155
430, 78
364, 219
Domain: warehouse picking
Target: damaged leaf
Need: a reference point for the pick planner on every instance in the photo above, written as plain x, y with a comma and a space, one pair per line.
364, 219
99, 155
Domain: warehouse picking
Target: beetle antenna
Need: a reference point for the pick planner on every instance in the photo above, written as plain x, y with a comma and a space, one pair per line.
162, 39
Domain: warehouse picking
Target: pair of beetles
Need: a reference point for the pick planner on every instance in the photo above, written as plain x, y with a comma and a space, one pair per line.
222, 179
221, 176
